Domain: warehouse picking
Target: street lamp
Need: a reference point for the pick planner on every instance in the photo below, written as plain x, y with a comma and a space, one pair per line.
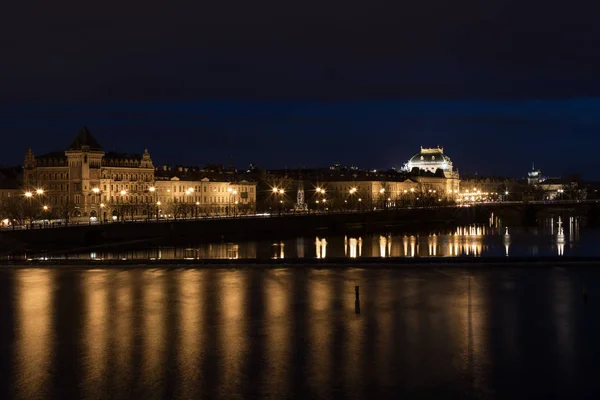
39, 191
102, 205
122, 193
28, 194
157, 209
152, 190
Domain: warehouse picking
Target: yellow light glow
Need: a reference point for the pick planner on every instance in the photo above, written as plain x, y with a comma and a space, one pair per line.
45, 208
158, 203
123, 192
96, 190
40, 191
152, 188
274, 190
382, 190
28, 194
101, 205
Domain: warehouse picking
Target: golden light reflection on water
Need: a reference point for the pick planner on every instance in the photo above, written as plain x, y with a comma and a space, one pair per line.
34, 332
277, 301
232, 312
281, 330
154, 313
95, 338
190, 284
321, 247
122, 327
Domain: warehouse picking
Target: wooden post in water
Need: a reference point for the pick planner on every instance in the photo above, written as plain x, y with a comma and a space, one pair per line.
357, 301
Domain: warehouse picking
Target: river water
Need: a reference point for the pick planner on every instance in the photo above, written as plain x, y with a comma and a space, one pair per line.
553, 237
294, 333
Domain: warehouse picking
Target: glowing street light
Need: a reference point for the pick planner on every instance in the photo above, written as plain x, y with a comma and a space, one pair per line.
275, 190
96, 190
382, 190
151, 189
28, 194
281, 191
39, 191
45, 208
123, 192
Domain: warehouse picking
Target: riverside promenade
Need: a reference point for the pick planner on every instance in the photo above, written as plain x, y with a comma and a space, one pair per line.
252, 227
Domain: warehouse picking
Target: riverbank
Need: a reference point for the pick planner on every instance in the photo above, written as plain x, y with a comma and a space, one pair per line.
370, 263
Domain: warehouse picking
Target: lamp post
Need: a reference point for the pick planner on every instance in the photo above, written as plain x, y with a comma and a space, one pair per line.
95, 193
119, 216
152, 190
45, 208
232, 193
102, 217
382, 196
320, 196
281, 193
29, 196
352, 191
158, 203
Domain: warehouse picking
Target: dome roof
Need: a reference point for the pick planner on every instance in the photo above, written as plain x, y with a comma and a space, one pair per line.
430, 156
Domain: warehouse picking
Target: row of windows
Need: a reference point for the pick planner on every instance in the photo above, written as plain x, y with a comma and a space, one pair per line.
54, 176
219, 189
213, 200
127, 177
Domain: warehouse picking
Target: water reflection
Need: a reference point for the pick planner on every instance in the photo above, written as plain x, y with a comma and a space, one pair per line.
252, 333
321, 247
476, 240
33, 332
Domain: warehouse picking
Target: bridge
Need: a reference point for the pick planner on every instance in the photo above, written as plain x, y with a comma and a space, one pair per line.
290, 224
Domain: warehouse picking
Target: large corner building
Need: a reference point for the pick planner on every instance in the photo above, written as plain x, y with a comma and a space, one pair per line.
85, 182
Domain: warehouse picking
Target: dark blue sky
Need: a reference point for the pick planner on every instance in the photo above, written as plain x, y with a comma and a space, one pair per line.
278, 84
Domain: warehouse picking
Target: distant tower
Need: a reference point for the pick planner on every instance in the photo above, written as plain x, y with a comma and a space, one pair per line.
29, 166
29, 159
300, 203
534, 176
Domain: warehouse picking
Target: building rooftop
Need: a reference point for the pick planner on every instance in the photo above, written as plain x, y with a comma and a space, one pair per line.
85, 138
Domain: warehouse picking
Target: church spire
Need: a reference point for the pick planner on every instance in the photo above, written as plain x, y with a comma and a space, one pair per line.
29, 159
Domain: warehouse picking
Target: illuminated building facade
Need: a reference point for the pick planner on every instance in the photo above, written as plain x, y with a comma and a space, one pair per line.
431, 160
86, 183
177, 197
433, 170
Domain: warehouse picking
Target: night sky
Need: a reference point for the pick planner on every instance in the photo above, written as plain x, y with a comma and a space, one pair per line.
498, 84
